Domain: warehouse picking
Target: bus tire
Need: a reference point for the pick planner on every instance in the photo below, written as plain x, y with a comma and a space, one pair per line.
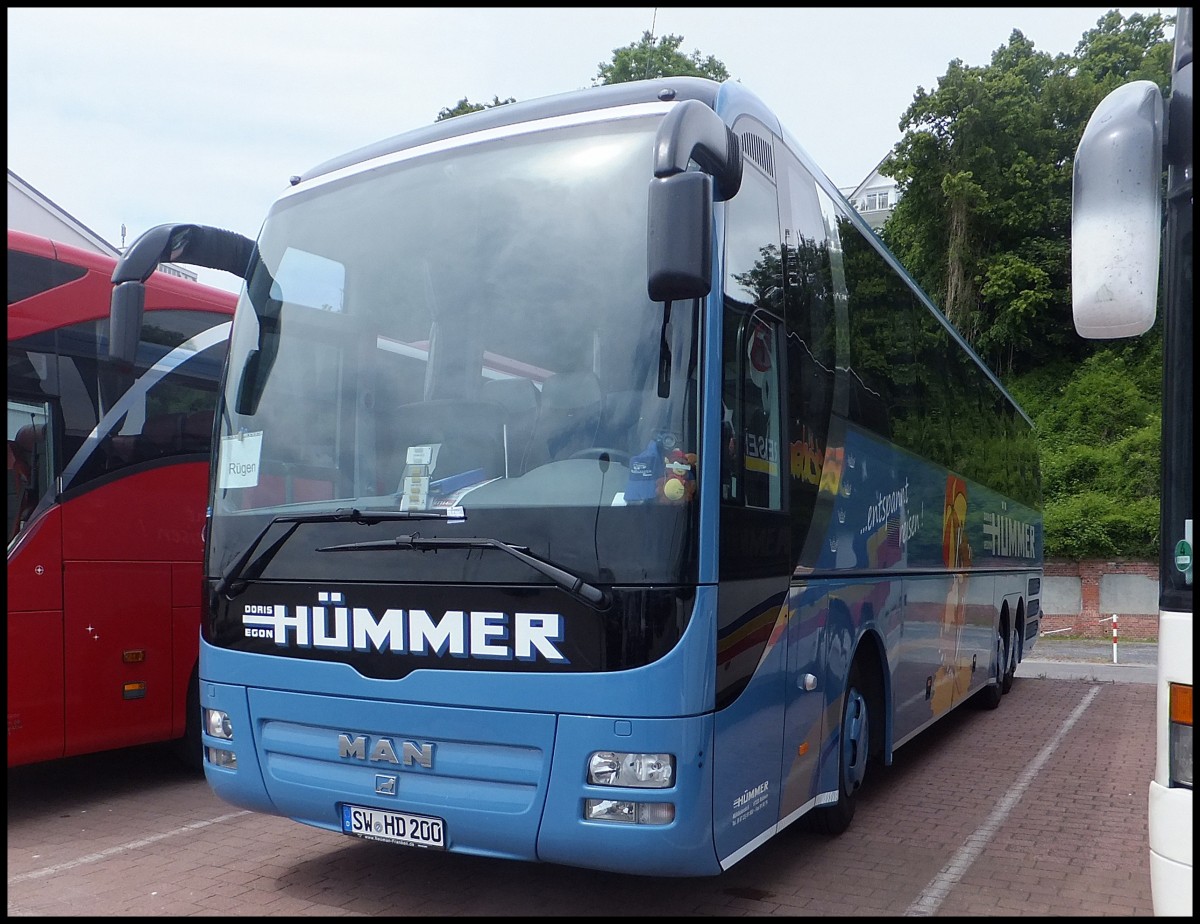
1010, 670
189, 748
854, 749
989, 696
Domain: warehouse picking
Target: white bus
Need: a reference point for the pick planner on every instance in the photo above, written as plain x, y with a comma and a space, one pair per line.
1117, 233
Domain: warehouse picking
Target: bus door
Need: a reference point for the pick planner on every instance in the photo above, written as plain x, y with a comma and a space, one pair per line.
134, 479
754, 602
34, 630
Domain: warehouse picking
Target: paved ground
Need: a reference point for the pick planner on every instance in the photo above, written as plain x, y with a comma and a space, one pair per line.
1035, 809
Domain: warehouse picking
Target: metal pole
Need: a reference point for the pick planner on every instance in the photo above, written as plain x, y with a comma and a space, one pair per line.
1114, 622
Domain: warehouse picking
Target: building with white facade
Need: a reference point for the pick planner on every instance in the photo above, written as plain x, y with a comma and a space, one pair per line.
874, 197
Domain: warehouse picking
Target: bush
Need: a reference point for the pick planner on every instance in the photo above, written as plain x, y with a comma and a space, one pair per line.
1099, 444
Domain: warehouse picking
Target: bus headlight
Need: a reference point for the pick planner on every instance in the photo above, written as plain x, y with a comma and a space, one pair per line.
644, 771
217, 724
1179, 739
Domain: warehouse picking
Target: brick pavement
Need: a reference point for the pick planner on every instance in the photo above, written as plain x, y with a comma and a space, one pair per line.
131, 834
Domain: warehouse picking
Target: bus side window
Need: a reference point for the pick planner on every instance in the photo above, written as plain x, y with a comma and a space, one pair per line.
753, 336
28, 473
18, 486
761, 430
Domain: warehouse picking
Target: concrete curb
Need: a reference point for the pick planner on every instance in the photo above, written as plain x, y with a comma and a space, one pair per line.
1033, 668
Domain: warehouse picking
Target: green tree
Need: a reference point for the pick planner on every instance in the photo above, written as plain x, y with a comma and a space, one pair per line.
645, 59
462, 107
984, 168
657, 57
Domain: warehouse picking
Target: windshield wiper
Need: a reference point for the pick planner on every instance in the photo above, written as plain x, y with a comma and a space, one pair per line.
565, 579
245, 569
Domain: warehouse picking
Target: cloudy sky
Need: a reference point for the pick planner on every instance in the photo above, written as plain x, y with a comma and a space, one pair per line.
139, 117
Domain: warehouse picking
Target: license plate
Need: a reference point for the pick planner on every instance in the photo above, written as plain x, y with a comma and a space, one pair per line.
394, 827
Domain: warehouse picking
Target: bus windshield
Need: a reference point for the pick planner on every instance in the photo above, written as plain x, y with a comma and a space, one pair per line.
464, 330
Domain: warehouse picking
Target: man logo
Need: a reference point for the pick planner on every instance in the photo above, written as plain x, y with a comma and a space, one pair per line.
411, 752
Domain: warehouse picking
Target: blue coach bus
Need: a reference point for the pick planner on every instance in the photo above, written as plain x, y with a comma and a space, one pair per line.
593, 487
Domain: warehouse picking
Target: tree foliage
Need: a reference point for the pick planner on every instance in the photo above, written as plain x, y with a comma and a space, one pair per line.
1099, 425
463, 106
653, 57
645, 59
984, 169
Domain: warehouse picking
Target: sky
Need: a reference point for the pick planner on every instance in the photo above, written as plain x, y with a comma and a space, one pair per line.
139, 117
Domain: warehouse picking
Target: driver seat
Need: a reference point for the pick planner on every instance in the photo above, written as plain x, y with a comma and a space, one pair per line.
568, 417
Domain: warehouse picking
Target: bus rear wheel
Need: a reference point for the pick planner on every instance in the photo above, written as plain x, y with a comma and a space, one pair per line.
1010, 670
989, 696
854, 748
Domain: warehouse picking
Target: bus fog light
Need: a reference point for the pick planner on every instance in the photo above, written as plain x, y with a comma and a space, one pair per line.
616, 768
217, 724
219, 757
631, 813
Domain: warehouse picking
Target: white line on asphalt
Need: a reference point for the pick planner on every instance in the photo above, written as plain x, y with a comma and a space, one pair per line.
941, 884
122, 848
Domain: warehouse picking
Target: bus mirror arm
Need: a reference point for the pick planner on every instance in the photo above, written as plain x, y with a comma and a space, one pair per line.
199, 245
692, 131
679, 232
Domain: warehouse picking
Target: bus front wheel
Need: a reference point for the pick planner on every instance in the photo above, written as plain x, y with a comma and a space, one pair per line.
189, 748
854, 748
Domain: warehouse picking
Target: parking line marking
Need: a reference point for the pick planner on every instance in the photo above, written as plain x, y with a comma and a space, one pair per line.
941, 884
122, 848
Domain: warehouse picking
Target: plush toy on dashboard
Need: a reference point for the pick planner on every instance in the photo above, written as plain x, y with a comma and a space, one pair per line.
678, 483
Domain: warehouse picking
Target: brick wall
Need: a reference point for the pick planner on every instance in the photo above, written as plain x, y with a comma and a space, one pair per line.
1085, 618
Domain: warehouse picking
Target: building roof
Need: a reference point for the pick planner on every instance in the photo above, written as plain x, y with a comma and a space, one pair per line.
33, 211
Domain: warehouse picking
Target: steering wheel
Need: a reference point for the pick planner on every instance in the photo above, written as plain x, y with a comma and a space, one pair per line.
599, 452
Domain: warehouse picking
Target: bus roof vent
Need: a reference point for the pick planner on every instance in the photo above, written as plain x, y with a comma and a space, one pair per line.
759, 150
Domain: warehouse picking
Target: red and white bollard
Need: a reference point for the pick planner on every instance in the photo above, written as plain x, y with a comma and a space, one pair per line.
1114, 622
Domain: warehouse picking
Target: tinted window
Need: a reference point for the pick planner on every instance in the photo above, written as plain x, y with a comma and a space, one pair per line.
811, 336
29, 275
113, 419
753, 340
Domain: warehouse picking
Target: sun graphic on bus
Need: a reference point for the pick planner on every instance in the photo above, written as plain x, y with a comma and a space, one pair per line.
952, 678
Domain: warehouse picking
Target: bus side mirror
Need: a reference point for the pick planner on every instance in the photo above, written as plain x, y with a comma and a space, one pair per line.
679, 237
250, 385
679, 240
1116, 214
196, 244
125, 321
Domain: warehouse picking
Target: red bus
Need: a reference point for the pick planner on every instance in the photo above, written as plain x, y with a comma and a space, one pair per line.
107, 483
